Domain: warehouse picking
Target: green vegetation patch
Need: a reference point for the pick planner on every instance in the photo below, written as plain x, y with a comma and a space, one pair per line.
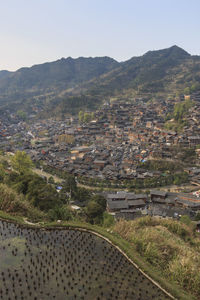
178, 119
162, 165
169, 246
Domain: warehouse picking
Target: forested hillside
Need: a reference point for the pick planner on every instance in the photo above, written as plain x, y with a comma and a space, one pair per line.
68, 85
35, 87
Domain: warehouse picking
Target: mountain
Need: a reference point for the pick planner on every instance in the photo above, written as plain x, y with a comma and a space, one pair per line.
150, 73
68, 85
63, 73
48, 80
4, 73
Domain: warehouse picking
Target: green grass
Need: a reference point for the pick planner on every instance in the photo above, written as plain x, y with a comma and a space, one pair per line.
169, 248
8, 217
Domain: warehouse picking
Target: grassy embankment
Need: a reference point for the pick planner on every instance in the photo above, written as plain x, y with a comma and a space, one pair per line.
170, 247
165, 250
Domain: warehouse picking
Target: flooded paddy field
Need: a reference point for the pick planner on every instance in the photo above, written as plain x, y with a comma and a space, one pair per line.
66, 264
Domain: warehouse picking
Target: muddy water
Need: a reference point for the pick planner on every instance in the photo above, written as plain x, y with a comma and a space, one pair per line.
66, 264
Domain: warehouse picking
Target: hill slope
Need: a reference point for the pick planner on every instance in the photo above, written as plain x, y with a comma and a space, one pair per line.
63, 73
85, 82
46, 81
170, 247
155, 71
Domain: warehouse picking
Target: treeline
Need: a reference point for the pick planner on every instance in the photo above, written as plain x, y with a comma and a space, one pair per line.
137, 183
156, 182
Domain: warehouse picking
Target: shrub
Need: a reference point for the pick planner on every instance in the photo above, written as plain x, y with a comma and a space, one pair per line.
108, 220
60, 213
51, 180
185, 220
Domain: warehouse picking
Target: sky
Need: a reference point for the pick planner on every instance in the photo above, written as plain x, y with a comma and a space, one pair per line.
37, 31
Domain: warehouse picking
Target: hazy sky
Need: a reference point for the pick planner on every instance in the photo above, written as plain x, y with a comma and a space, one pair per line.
36, 31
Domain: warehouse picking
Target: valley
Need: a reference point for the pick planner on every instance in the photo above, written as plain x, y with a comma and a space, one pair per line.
99, 178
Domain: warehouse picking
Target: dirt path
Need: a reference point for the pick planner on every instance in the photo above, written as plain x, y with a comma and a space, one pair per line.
30, 223
47, 175
99, 188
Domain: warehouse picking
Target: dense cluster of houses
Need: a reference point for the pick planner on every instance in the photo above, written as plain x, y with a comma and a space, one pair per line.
164, 204
109, 147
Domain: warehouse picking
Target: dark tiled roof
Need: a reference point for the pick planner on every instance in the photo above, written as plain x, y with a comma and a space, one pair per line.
159, 193
117, 205
116, 196
136, 202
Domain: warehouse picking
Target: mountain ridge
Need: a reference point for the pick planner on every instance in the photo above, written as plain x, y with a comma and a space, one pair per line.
53, 83
94, 57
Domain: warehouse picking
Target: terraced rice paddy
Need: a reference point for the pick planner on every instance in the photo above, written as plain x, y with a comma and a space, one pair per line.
66, 264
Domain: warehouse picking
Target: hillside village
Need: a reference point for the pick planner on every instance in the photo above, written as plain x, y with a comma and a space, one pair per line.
100, 150
113, 147
158, 203
110, 146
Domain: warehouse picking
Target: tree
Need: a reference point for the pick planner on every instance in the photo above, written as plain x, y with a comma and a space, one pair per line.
21, 162
81, 116
187, 91
86, 118
70, 185
82, 194
101, 200
60, 213
51, 180
22, 115
177, 95
177, 180
46, 198
197, 217
193, 88
94, 212
21, 183
92, 116
181, 109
